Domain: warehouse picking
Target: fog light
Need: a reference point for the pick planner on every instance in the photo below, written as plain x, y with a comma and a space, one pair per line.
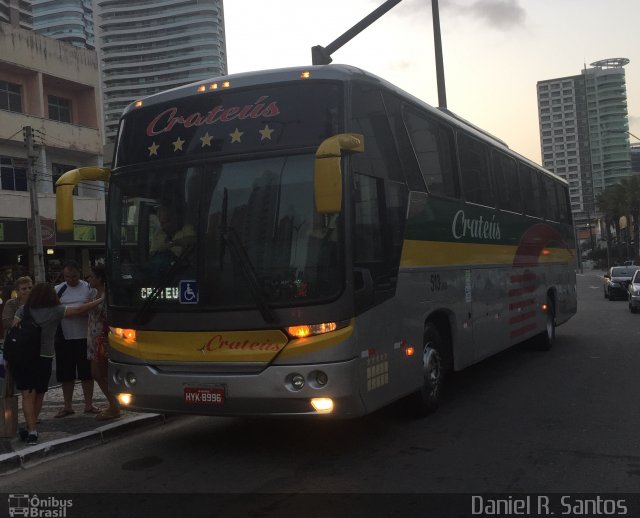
124, 399
130, 378
297, 381
321, 378
118, 377
322, 405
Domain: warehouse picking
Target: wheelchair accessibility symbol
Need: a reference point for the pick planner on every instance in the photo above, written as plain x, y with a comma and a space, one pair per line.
189, 292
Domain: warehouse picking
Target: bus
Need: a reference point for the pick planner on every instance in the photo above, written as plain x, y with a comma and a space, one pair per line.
335, 245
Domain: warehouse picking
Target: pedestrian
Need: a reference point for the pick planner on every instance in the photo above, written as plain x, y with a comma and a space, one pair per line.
71, 342
23, 287
97, 342
33, 379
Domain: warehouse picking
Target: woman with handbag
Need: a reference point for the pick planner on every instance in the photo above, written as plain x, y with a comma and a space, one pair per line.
97, 342
23, 287
33, 378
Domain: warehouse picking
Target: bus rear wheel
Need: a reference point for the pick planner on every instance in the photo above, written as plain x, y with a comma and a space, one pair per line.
427, 399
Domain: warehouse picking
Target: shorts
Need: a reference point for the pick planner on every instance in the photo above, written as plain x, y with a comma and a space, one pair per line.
71, 361
34, 376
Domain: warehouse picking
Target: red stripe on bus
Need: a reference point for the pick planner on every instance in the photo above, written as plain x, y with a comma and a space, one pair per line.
523, 316
524, 277
522, 330
521, 304
521, 291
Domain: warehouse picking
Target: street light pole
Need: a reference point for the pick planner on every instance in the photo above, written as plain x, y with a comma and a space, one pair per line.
437, 43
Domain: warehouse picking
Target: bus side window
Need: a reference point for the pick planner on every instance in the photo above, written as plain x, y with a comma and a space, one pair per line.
476, 180
433, 146
506, 175
369, 117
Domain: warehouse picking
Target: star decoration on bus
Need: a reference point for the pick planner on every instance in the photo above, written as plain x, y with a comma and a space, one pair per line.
206, 139
235, 136
266, 133
177, 144
153, 149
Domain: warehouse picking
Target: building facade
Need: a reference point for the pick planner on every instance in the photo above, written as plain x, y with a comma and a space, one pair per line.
584, 132
52, 88
16, 13
147, 47
66, 20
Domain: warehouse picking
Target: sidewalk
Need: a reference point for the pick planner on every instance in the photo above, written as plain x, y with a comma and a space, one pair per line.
68, 434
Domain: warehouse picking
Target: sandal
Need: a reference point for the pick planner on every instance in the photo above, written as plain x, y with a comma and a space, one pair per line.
92, 410
64, 413
105, 415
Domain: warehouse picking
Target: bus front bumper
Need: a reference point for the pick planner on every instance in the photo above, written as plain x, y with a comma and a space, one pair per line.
266, 393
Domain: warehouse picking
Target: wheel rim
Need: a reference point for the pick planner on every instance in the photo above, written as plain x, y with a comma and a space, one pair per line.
432, 369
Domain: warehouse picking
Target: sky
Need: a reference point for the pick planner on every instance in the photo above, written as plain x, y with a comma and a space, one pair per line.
494, 50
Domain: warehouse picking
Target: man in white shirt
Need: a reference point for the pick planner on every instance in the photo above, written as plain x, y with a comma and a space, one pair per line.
71, 353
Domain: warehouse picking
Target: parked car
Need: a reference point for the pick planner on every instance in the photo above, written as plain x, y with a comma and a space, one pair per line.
633, 292
616, 281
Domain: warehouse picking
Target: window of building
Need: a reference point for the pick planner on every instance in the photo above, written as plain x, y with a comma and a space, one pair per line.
59, 109
10, 98
57, 170
13, 174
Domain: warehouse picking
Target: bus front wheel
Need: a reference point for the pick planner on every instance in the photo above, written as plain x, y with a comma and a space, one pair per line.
428, 397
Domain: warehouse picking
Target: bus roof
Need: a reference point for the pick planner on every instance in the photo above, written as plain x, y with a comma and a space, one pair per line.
336, 72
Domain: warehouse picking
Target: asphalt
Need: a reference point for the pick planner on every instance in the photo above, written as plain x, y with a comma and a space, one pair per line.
62, 436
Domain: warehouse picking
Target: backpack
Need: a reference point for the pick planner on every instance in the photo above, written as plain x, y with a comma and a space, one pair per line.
22, 343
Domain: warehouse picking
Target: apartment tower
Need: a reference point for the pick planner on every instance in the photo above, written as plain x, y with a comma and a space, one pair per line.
66, 20
147, 47
584, 132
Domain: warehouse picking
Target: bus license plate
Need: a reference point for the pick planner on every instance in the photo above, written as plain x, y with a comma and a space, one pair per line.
204, 395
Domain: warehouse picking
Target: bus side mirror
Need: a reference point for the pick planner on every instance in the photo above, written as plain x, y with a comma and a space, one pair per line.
327, 174
64, 192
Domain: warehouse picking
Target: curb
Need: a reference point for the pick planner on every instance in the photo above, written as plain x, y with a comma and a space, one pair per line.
39, 453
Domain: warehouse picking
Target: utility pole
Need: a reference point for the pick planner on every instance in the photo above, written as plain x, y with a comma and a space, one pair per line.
38, 254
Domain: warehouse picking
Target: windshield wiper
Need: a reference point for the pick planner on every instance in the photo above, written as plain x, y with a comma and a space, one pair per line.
143, 315
228, 235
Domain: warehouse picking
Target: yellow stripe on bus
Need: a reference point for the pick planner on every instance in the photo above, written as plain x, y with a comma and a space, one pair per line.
442, 253
203, 346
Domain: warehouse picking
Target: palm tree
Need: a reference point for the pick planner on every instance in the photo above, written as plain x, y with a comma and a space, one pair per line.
631, 188
608, 207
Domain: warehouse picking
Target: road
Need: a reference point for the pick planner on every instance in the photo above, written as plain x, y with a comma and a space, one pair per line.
526, 420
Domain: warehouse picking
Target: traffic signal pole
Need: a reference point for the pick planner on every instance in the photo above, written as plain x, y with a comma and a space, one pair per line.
322, 55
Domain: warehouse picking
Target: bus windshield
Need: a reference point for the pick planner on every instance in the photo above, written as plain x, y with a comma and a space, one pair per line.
236, 234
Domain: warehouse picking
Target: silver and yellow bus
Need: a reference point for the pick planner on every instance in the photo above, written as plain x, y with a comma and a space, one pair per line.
317, 241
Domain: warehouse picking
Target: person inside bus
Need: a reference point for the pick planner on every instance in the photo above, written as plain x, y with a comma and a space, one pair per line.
172, 235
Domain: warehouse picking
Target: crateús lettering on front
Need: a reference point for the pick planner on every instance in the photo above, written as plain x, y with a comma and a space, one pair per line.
165, 121
218, 342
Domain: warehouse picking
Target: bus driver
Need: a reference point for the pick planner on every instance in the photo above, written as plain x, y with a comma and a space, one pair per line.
171, 235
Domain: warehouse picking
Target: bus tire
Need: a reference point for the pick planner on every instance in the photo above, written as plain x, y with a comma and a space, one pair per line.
427, 399
548, 337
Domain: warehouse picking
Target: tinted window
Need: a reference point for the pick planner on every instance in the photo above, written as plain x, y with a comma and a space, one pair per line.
369, 117
476, 183
505, 173
433, 146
